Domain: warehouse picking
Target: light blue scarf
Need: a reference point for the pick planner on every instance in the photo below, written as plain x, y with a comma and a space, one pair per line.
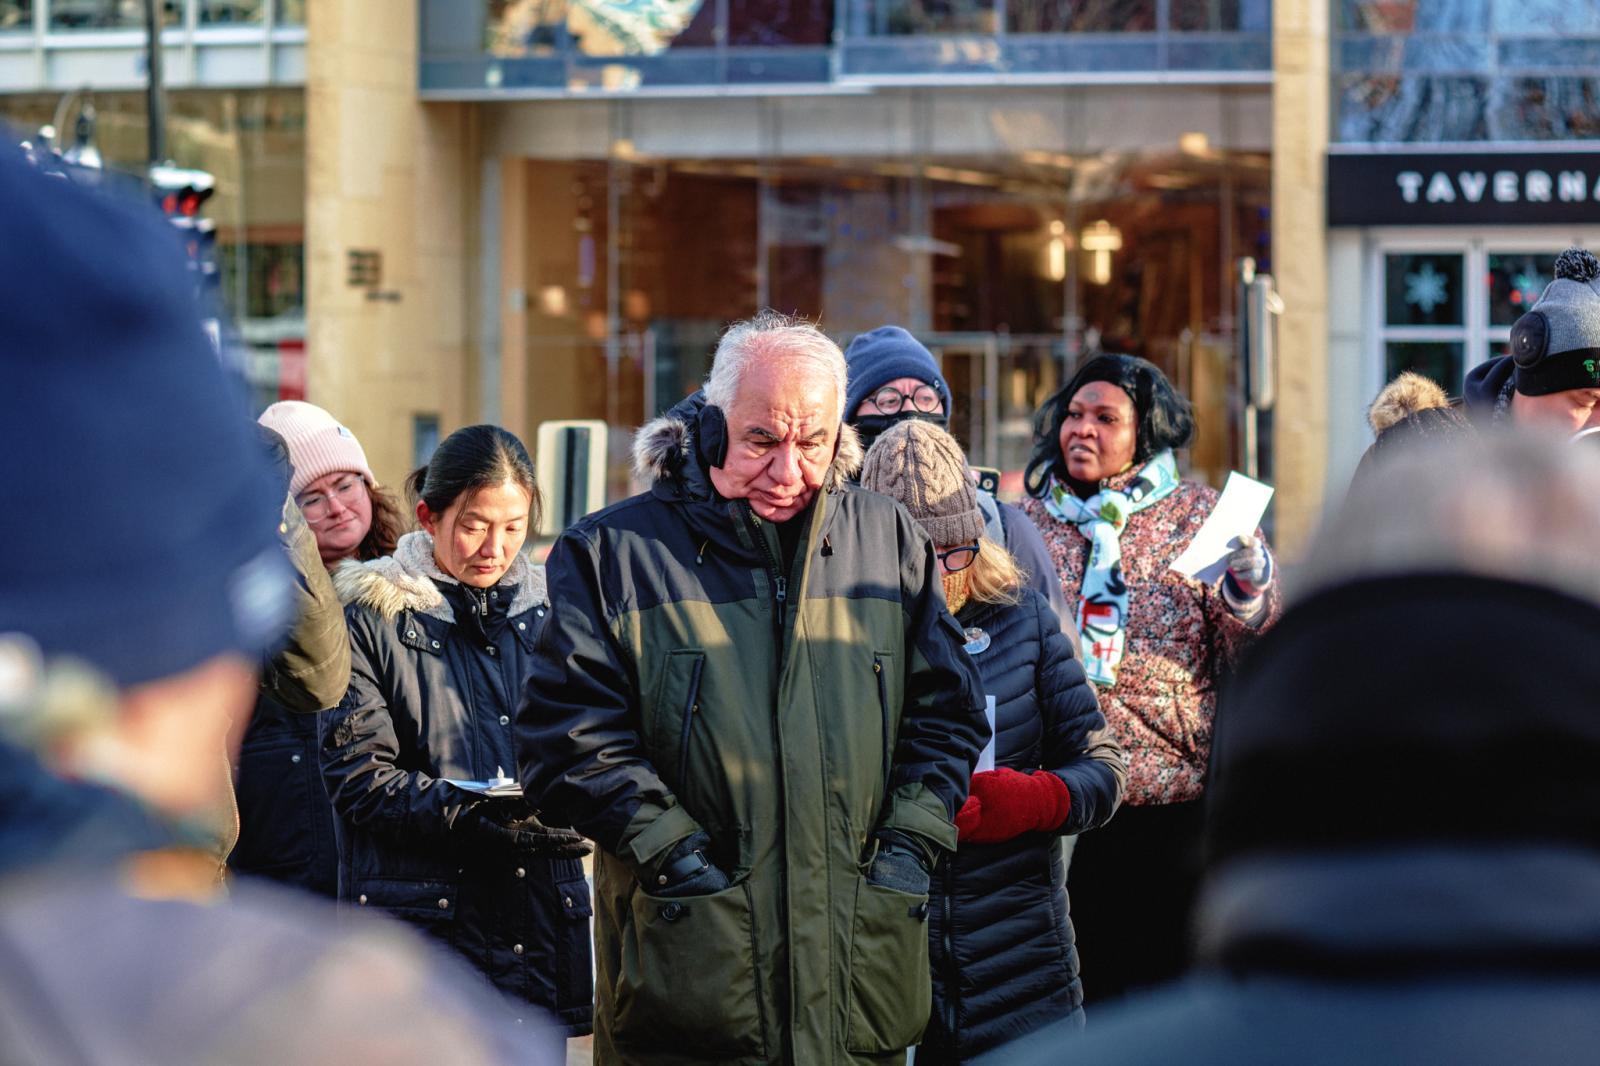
1103, 610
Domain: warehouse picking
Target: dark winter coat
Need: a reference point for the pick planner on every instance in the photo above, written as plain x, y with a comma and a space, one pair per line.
431, 696
684, 683
1000, 940
1447, 910
285, 820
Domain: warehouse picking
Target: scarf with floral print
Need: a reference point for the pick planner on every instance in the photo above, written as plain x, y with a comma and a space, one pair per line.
1103, 608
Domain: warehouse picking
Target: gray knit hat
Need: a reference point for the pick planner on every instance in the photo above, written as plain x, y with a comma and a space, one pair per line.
1556, 345
922, 466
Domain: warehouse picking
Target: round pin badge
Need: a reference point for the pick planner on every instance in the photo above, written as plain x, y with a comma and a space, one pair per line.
977, 641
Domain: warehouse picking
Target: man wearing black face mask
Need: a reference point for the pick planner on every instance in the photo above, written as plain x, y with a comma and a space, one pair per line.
893, 378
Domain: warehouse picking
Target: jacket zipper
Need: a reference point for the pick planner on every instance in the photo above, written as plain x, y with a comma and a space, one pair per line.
780, 584
952, 978
690, 706
883, 708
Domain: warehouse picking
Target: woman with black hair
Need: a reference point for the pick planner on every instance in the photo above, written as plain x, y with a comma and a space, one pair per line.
1104, 490
442, 634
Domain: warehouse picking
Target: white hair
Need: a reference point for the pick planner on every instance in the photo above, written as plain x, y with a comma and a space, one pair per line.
771, 333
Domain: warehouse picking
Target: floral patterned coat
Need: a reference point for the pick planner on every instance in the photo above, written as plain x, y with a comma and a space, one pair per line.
1181, 637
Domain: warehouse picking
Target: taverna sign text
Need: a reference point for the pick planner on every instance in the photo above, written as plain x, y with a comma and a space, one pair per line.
1488, 188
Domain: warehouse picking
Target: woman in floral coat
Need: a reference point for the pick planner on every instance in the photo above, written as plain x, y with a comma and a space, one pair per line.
1104, 491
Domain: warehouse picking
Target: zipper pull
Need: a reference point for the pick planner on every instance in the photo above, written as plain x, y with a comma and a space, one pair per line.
783, 590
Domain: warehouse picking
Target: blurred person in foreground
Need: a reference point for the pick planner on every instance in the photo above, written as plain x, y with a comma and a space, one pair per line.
1401, 842
135, 618
442, 633
999, 938
334, 510
1105, 492
893, 379
750, 694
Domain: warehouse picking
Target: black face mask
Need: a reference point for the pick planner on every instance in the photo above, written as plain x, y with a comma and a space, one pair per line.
870, 427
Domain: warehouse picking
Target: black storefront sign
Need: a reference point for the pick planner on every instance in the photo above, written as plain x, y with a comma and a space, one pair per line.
1465, 189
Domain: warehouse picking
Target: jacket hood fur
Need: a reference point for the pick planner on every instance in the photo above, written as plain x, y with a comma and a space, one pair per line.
405, 580
662, 446
1403, 397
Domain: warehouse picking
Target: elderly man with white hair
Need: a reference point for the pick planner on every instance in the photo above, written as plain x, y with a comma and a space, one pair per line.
750, 694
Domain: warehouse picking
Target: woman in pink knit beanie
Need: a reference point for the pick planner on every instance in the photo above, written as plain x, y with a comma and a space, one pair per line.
350, 515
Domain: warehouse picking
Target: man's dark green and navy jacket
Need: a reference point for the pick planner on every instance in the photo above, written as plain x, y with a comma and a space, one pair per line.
685, 682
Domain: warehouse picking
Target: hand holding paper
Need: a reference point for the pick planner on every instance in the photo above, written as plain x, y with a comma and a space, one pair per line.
1237, 515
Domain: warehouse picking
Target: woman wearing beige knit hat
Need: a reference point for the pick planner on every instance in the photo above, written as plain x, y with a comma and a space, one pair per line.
351, 516
1053, 770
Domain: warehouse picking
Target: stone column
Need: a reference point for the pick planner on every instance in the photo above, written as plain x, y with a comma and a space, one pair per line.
389, 175
1300, 114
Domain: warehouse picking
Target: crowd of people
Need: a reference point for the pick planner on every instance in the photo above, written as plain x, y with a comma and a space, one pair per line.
793, 756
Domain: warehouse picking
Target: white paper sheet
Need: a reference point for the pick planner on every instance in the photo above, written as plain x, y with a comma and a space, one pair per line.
1244, 500
986, 756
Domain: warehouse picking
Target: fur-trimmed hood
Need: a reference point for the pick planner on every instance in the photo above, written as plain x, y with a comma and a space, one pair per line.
405, 580
663, 449
1403, 397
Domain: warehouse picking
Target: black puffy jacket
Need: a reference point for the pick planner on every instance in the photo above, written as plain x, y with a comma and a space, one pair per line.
432, 691
285, 822
1000, 941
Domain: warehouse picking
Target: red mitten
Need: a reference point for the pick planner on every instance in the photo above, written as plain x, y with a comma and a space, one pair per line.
968, 817
1012, 803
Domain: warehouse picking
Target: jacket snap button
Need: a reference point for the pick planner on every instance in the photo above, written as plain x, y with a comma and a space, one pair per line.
521, 872
295, 757
516, 949
568, 901
362, 899
493, 651
444, 904
412, 633
524, 625
505, 720
436, 644
540, 612
671, 912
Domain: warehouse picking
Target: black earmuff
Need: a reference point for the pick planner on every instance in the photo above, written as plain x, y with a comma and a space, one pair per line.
1530, 339
711, 438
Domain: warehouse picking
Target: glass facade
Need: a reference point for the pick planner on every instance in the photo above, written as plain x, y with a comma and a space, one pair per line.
1009, 269
253, 142
556, 47
1466, 70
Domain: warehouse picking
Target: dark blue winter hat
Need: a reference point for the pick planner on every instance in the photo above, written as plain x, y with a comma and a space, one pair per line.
142, 532
879, 356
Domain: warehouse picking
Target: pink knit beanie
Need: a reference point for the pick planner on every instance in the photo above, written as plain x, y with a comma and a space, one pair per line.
318, 444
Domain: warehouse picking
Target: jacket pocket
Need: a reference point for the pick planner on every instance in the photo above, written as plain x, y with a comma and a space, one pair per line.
882, 661
426, 903
280, 798
891, 992
676, 706
688, 975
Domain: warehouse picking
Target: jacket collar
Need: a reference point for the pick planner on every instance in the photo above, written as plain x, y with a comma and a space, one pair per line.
406, 581
664, 454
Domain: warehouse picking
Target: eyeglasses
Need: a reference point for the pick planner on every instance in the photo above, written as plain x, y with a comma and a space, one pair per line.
958, 558
924, 398
315, 505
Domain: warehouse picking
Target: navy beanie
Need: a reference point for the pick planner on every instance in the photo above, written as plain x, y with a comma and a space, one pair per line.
878, 357
143, 532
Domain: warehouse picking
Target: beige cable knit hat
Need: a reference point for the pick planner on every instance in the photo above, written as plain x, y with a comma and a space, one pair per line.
922, 466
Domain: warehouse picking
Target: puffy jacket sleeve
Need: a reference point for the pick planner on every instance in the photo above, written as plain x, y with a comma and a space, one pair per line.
1077, 742
312, 672
578, 745
942, 725
1026, 545
361, 755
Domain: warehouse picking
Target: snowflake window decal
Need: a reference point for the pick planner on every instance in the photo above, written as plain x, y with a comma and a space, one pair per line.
1427, 288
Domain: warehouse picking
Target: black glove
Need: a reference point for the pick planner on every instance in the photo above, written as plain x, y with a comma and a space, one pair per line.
685, 871
899, 864
519, 833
